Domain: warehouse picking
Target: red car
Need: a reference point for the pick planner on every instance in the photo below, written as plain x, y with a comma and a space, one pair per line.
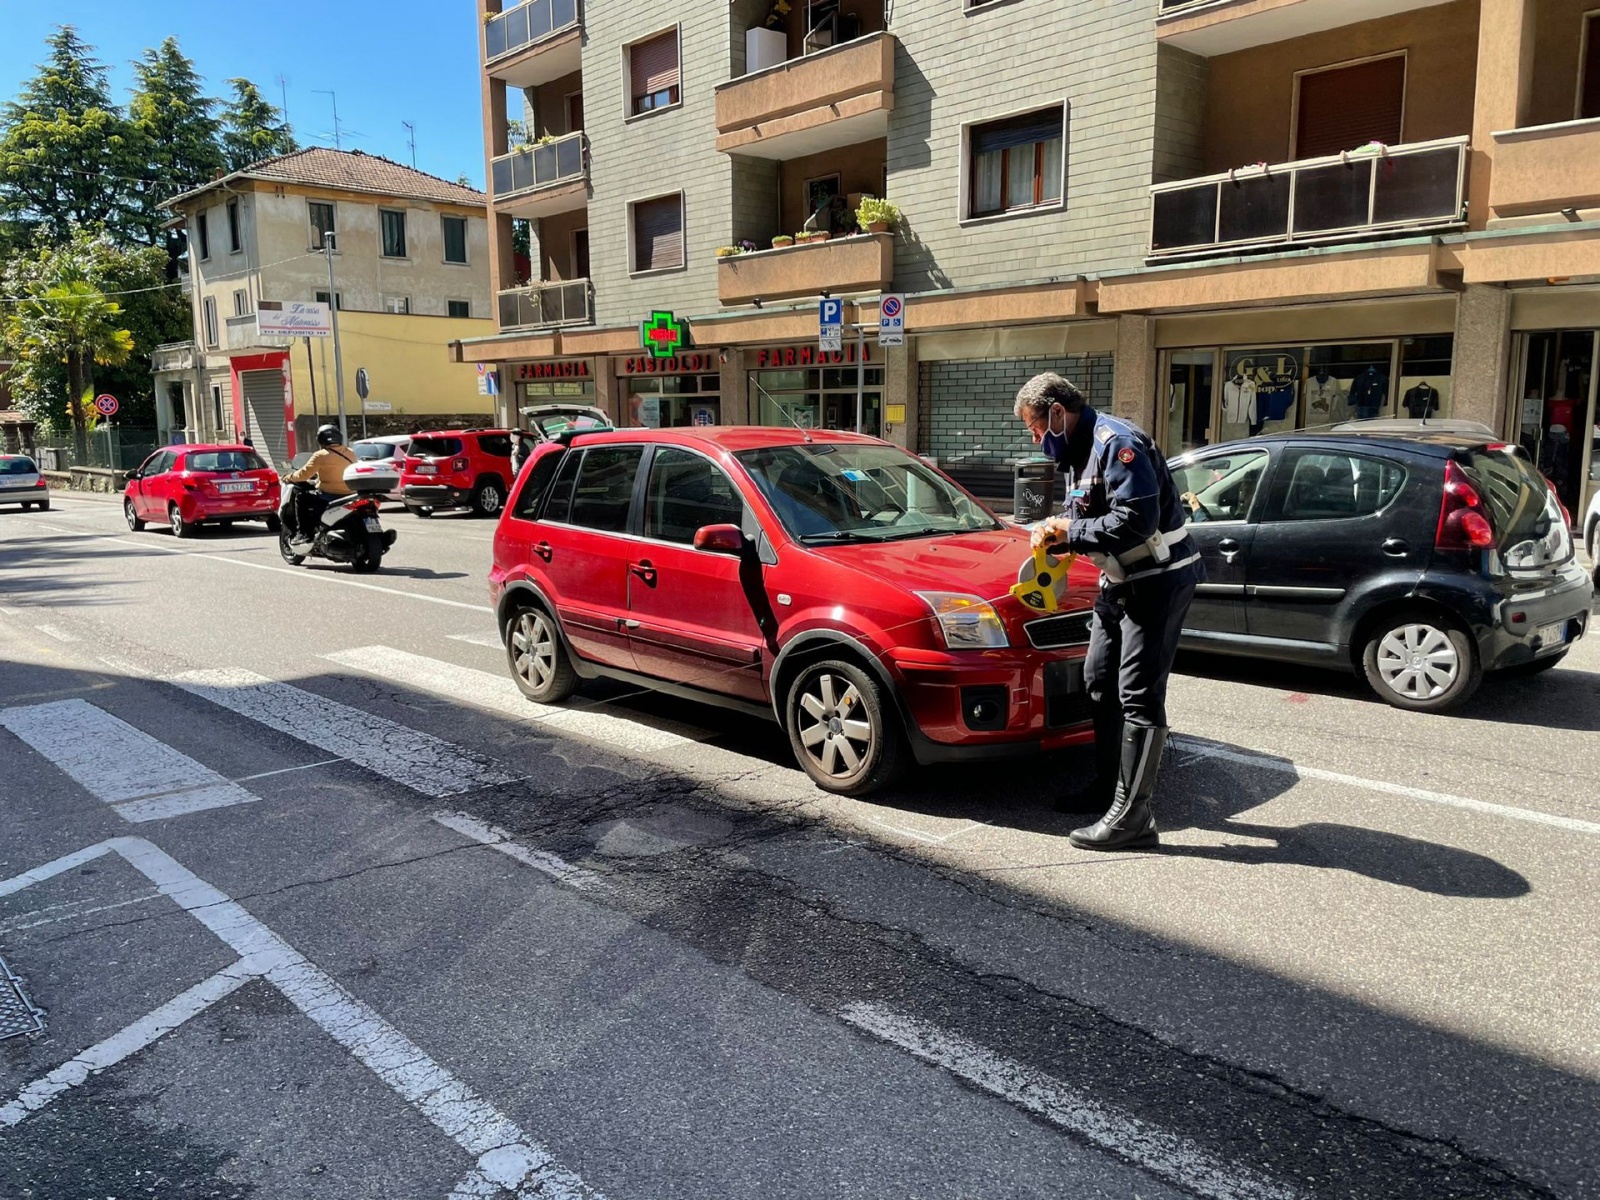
184, 486
831, 581
457, 468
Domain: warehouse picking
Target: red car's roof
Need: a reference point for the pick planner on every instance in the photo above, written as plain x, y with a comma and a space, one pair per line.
729, 437
206, 447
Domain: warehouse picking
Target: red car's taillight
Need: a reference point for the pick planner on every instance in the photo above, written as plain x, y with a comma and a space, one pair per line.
458, 464
41, 482
1463, 523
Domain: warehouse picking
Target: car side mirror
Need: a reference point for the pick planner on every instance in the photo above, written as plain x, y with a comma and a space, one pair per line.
132, 475
720, 539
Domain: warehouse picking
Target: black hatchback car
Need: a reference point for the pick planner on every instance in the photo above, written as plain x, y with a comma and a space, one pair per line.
1421, 555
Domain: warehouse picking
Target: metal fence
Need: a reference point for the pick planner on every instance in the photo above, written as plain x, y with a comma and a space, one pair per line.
109, 447
546, 305
532, 167
526, 24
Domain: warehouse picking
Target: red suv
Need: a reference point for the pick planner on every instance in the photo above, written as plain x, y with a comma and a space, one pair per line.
182, 486
833, 581
457, 468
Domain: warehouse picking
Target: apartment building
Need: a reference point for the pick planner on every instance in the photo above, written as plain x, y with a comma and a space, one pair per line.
411, 275
1222, 216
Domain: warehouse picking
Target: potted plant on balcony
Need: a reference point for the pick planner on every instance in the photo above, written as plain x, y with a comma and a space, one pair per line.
728, 251
819, 235
877, 216
782, 240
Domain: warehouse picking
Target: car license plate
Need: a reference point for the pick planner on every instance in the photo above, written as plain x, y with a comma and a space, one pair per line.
1551, 635
427, 469
242, 486
373, 526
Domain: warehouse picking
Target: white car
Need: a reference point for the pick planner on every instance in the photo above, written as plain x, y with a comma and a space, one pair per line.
21, 483
1591, 534
379, 458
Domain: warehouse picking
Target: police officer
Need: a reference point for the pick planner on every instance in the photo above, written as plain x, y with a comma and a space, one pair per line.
1123, 511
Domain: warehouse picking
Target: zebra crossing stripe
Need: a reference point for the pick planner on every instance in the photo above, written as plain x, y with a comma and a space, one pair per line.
425, 764
141, 778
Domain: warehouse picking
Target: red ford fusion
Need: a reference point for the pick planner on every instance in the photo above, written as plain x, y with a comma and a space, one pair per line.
183, 487
831, 581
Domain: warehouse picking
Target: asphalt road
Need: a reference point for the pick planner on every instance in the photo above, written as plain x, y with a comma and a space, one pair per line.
314, 905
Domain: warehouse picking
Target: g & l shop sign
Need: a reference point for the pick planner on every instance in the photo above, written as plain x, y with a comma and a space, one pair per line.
770, 357
577, 368
677, 364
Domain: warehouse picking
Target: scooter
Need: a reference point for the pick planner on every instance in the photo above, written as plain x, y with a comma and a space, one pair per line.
348, 531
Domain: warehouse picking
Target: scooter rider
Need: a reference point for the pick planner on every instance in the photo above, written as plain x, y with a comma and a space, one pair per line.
327, 467
1122, 510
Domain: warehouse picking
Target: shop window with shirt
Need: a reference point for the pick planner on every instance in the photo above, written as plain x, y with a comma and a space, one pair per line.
653, 73
1424, 388
1558, 418
1016, 164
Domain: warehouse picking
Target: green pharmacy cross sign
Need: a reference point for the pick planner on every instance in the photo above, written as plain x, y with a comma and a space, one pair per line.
663, 335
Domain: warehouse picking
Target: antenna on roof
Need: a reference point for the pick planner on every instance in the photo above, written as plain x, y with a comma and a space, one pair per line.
335, 99
411, 140
283, 97
805, 433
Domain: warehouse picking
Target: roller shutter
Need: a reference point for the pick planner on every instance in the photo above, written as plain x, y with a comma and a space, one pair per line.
1351, 106
263, 410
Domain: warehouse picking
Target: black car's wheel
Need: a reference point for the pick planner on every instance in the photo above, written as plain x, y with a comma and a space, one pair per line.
180, 528
487, 498
135, 522
539, 661
843, 728
289, 556
1418, 661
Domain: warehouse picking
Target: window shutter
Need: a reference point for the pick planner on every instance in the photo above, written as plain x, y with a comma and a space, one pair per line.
654, 64
1017, 131
658, 234
1351, 106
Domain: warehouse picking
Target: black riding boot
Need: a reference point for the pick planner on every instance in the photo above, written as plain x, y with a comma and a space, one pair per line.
1129, 824
1097, 795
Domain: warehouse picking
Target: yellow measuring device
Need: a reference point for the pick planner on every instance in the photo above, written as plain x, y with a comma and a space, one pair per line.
1043, 580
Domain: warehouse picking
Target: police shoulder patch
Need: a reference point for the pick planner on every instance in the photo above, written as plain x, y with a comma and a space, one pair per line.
1125, 455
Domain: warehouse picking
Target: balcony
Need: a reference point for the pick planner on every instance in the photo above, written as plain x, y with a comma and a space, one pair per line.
547, 305
1545, 169
1209, 27
172, 356
862, 263
534, 42
540, 181
835, 97
1345, 197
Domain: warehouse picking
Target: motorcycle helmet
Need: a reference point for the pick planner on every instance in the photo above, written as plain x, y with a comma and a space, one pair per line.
329, 435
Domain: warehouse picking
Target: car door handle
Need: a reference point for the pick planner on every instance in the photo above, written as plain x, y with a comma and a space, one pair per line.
627, 623
644, 571
542, 549
1229, 549
1396, 547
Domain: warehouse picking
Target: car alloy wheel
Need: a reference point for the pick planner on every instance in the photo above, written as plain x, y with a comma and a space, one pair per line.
837, 735
487, 500
1418, 661
539, 661
843, 728
134, 522
180, 527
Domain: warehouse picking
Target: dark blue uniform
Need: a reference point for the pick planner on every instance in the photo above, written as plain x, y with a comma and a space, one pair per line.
1119, 495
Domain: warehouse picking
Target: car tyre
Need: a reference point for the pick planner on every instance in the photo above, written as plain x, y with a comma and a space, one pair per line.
1417, 661
180, 528
487, 498
44, 506
135, 522
538, 657
843, 728
289, 556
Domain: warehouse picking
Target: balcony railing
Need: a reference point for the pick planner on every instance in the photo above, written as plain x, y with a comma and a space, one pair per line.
527, 24
546, 305
242, 333
1355, 194
533, 167
173, 356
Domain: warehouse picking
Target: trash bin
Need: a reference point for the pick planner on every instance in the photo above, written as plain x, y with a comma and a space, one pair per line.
1033, 493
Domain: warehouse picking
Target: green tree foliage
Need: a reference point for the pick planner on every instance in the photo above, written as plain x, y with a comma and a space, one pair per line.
252, 128
64, 146
175, 137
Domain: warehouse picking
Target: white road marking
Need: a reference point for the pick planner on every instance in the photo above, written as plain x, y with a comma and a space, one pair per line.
142, 778
492, 640
55, 631
326, 762
505, 1154
21, 922
1166, 1156
1285, 767
499, 839
932, 839
497, 693
419, 761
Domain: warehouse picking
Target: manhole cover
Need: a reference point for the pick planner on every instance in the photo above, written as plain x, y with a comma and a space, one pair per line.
17, 1013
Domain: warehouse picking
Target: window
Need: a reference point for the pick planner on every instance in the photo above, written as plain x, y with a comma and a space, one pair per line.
322, 298
1221, 487
202, 229
1017, 163
574, 112
1317, 485
560, 506
216, 410
397, 304
208, 309
580, 254
604, 490
458, 308
497, 444
685, 493
537, 483
322, 214
235, 241
1344, 107
455, 238
1589, 79
394, 233
658, 234
653, 72
241, 302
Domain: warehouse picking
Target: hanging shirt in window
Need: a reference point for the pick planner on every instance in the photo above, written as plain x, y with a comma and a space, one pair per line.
1239, 401
1421, 401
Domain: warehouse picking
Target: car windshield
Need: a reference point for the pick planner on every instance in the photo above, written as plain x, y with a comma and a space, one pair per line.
833, 492
225, 460
435, 447
551, 423
1527, 515
375, 451
16, 466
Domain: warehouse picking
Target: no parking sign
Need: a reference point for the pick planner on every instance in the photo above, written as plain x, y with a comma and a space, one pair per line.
891, 319
106, 404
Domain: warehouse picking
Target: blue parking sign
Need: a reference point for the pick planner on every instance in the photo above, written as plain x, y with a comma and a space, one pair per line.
830, 325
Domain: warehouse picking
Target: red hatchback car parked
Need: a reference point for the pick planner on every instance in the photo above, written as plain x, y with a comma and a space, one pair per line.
183, 487
832, 581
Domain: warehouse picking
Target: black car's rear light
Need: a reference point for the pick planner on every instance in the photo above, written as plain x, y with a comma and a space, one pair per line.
1463, 520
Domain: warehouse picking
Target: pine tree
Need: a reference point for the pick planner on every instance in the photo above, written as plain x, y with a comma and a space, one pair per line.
64, 146
252, 128
175, 135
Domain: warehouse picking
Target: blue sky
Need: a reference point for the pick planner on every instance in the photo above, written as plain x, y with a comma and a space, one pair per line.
388, 60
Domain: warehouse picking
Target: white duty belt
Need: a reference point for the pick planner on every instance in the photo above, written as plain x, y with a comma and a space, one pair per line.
1156, 551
